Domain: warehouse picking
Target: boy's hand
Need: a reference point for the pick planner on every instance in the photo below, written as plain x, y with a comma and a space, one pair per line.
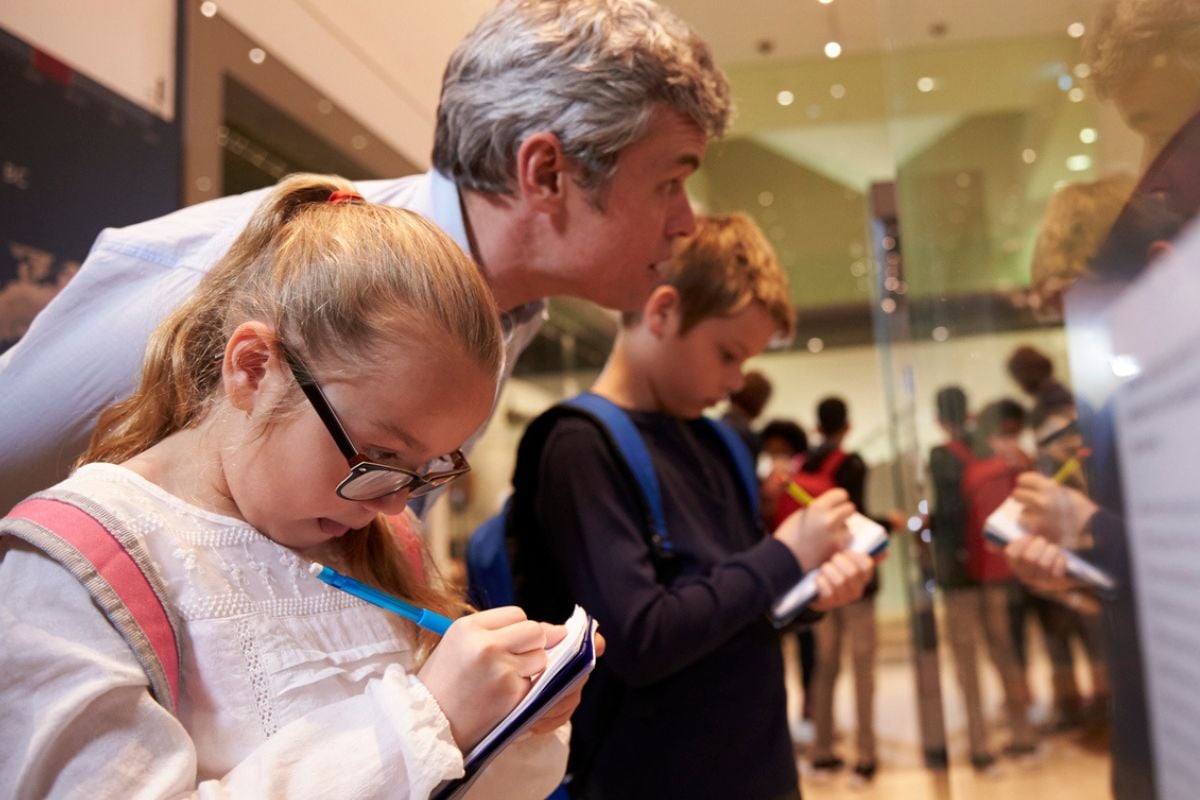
1039, 563
842, 580
1051, 510
815, 533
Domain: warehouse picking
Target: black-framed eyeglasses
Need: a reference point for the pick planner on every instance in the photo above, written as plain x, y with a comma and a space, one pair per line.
369, 480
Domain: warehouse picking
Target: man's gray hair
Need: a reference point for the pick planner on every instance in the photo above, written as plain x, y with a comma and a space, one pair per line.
589, 71
1127, 37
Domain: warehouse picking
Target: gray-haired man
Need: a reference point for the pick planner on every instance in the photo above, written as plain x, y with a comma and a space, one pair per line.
565, 132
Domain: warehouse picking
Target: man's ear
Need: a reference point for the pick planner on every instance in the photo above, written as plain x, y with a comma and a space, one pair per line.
663, 312
249, 354
542, 172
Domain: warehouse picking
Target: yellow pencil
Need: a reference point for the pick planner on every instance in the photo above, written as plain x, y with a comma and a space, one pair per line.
799, 495
1069, 468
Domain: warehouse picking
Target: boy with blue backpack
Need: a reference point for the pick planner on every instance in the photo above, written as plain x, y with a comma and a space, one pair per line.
632, 504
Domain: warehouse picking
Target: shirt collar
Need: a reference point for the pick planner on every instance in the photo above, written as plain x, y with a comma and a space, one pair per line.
447, 209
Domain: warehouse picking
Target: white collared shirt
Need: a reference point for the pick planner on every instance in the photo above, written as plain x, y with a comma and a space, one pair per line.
84, 350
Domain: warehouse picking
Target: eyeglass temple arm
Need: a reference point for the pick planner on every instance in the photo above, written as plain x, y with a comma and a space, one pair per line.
321, 405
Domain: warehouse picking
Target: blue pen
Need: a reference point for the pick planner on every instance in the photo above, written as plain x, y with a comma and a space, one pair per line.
427, 619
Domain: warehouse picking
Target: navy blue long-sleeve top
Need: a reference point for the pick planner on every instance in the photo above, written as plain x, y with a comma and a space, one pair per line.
688, 701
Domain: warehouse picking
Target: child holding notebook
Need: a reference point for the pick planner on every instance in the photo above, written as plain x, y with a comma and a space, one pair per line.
326, 370
689, 700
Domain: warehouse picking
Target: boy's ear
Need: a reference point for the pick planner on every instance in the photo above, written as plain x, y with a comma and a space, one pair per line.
663, 312
542, 171
248, 355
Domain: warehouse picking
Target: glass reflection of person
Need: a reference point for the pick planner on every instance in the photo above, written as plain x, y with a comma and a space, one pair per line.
1145, 57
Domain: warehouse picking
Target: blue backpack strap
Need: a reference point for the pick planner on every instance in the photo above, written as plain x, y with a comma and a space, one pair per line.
743, 459
489, 573
627, 439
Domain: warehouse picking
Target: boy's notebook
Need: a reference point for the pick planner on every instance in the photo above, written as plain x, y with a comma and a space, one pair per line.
868, 537
567, 663
1003, 526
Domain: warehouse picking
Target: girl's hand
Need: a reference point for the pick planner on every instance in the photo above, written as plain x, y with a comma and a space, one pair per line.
561, 711
842, 580
482, 668
815, 533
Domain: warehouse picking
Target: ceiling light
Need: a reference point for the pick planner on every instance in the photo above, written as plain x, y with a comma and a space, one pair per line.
1082, 70
837, 91
1076, 95
833, 49
815, 345
257, 55
1088, 135
1079, 163
1029, 155
1075, 30
926, 84
208, 8
785, 98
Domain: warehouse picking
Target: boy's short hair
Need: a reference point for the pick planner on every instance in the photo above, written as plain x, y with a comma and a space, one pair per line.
1000, 418
832, 416
787, 431
952, 405
754, 394
722, 268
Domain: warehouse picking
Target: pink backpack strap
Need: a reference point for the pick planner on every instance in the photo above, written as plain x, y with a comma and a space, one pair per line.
116, 570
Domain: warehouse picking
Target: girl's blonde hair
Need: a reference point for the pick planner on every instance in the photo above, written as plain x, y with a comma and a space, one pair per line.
726, 265
338, 283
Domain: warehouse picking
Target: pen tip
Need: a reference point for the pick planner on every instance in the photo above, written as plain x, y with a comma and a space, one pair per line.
315, 568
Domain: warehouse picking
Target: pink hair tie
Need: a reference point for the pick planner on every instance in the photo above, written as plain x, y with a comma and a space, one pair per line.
340, 198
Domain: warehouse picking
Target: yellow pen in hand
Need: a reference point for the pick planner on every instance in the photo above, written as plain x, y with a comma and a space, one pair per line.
799, 495
1070, 467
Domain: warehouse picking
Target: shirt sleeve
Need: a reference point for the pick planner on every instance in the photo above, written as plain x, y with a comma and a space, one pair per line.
530, 768
82, 353
592, 519
77, 719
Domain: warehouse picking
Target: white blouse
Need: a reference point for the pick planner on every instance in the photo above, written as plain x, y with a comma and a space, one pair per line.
288, 687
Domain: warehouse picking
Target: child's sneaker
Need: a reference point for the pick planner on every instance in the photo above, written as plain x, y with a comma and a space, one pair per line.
1026, 754
985, 765
823, 769
864, 773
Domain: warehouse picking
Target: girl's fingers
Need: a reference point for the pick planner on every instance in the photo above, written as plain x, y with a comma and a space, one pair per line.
493, 618
526, 636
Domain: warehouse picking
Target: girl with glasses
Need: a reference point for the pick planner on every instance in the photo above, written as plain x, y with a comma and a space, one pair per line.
229, 471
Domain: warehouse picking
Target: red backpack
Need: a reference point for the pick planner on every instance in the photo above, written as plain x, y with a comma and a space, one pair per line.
986, 483
815, 483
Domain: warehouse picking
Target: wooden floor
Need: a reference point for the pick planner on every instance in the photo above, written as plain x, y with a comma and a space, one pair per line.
1069, 767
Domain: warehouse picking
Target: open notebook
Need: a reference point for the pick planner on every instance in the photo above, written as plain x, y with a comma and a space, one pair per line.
868, 537
1003, 526
567, 663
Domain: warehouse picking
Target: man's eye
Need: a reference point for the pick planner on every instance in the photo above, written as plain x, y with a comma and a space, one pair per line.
382, 455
